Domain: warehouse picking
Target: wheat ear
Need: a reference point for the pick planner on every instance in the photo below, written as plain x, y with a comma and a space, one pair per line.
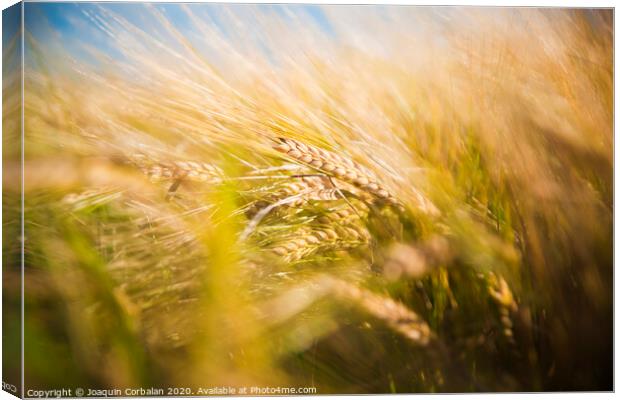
309, 241
312, 187
336, 166
191, 171
343, 215
504, 299
395, 314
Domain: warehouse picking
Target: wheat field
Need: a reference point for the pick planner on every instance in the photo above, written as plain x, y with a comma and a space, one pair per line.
359, 199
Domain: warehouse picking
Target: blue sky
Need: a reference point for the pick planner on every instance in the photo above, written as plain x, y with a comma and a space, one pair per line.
72, 25
59, 14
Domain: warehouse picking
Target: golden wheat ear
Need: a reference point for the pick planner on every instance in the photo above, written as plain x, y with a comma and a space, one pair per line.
173, 170
306, 242
395, 314
338, 167
307, 188
502, 296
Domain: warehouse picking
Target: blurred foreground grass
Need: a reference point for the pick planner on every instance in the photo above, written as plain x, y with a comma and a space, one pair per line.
172, 239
